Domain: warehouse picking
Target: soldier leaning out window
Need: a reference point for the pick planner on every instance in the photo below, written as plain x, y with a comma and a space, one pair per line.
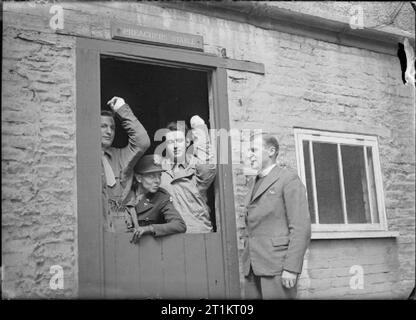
189, 171
150, 207
118, 163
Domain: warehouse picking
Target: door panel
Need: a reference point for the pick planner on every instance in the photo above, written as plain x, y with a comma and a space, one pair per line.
195, 266
182, 266
174, 280
215, 267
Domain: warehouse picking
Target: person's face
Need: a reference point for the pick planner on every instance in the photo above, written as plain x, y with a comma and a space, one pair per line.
259, 154
107, 131
150, 182
176, 145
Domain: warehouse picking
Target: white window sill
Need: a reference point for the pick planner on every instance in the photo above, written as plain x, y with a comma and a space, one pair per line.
353, 234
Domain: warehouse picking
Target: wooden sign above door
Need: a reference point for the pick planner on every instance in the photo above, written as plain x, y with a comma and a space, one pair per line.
136, 33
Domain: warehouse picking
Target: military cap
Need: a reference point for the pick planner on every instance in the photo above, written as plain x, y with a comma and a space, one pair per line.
149, 163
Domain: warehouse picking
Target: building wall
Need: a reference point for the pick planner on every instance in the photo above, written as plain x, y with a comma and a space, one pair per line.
394, 14
38, 162
307, 83
314, 84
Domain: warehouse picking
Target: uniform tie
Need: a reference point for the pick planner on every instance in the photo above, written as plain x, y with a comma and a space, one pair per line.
108, 171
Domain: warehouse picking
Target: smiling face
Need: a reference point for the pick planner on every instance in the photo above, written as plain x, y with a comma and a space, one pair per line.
108, 128
149, 182
176, 145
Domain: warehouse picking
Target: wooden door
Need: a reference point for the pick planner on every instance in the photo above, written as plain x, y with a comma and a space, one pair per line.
181, 266
188, 266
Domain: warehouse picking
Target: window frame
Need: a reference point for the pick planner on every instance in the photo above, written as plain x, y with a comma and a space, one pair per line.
352, 139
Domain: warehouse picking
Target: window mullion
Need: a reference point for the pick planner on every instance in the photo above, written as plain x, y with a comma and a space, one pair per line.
315, 196
341, 184
367, 176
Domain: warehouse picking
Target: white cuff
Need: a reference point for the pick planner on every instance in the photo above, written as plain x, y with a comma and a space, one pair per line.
119, 103
196, 121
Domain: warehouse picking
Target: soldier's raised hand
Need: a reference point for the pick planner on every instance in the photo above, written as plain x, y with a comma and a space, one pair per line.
196, 121
115, 103
198, 129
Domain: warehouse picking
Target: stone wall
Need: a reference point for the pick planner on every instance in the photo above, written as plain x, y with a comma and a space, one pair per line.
308, 83
38, 163
375, 14
313, 84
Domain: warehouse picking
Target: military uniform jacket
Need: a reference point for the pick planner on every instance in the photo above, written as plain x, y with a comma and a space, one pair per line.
123, 160
156, 209
190, 184
278, 227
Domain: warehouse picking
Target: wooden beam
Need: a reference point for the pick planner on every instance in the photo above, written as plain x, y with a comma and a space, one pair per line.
174, 56
89, 198
228, 219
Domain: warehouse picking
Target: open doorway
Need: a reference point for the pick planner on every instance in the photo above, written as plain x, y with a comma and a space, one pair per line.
157, 95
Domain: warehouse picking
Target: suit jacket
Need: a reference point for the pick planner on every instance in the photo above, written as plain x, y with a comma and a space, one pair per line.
277, 223
156, 209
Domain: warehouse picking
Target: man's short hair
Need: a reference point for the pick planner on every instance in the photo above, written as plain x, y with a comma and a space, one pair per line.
269, 140
107, 113
173, 126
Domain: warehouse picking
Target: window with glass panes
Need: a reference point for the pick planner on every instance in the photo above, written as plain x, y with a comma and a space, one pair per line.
342, 176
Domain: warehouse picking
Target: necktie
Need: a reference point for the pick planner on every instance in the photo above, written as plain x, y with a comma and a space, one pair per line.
257, 183
108, 171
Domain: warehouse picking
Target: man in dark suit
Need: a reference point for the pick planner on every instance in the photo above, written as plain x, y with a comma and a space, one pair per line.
277, 224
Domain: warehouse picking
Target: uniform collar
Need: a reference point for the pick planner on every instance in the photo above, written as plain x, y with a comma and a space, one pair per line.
168, 163
145, 203
107, 153
135, 198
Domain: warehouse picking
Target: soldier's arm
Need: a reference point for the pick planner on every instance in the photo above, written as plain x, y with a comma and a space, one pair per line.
203, 155
138, 139
174, 222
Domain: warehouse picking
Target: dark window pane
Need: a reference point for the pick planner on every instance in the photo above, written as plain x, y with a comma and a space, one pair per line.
308, 176
327, 183
355, 184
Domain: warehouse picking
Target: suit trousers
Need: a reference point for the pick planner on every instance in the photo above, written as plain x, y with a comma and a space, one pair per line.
267, 288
